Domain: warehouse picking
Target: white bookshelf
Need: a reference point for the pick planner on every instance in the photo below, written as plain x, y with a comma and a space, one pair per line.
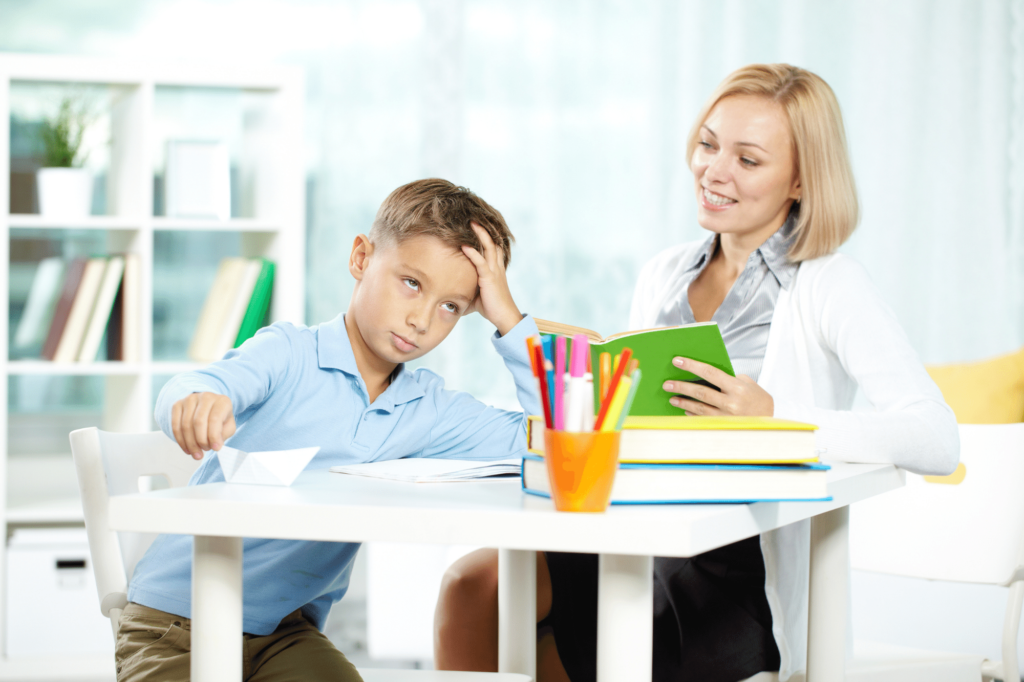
270, 223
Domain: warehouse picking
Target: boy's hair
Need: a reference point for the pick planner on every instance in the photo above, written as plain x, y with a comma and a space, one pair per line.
438, 208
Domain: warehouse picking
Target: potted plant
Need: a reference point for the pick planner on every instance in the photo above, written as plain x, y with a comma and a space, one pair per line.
64, 186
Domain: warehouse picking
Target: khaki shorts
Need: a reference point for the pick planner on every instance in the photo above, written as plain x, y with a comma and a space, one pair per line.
154, 646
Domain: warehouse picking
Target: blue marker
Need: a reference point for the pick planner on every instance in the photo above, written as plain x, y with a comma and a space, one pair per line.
549, 366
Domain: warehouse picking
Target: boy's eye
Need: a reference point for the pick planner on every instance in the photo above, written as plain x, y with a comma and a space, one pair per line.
411, 283
451, 307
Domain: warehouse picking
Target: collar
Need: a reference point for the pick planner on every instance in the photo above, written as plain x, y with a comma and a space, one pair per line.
775, 250
334, 351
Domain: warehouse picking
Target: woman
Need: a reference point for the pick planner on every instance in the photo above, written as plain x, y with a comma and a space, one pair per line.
804, 327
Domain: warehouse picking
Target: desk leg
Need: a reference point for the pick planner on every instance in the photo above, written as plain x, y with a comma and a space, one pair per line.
829, 596
625, 617
517, 612
216, 609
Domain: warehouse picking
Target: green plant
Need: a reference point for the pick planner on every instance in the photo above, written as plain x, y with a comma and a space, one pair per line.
62, 134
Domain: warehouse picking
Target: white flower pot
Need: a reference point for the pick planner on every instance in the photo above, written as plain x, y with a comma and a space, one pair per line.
64, 192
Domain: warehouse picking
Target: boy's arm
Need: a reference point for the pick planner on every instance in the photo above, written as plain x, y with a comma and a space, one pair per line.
229, 389
468, 429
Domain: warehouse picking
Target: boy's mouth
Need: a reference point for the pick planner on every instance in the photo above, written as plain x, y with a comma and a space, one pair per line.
403, 344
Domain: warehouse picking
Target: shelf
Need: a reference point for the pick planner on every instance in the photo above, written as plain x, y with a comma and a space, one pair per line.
44, 367
232, 225
50, 511
175, 367
95, 222
95, 667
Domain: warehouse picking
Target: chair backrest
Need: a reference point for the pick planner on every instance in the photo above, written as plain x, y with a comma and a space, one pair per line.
965, 528
112, 464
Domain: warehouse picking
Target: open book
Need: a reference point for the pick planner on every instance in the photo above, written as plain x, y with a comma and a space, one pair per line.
654, 348
430, 470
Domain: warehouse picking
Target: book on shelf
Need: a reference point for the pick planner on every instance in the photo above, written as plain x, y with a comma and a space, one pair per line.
654, 348
102, 307
706, 440
81, 309
699, 483
235, 307
40, 304
75, 270
123, 342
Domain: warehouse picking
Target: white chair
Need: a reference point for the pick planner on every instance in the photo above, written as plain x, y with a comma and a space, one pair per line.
112, 464
966, 528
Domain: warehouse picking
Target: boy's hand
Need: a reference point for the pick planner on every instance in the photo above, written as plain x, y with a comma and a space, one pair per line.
495, 300
202, 421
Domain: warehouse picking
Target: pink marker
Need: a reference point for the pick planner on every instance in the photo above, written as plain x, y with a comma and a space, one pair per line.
559, 383
575, 410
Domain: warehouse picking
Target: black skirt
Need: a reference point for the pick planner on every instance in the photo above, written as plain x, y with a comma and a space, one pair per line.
711, 617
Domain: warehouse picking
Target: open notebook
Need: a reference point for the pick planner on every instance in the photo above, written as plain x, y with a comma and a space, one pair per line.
423, 470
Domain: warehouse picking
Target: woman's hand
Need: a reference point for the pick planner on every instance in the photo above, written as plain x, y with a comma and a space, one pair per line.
736, 395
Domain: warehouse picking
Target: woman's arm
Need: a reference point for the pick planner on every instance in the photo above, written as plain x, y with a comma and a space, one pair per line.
911, 426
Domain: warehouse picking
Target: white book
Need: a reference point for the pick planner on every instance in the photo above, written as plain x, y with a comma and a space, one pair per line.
430, 470
208, 327
236, 311
131, 290
39, 307
81, 310
101, 310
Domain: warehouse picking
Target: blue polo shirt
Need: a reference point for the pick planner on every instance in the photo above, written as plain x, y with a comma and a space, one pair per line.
294, 387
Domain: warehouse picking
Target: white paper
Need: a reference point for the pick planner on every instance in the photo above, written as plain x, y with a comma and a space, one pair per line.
424, 470
274, 467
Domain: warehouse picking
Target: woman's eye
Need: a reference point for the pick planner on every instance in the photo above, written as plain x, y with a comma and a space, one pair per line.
706, 145
451, 307
411, 283
748, 162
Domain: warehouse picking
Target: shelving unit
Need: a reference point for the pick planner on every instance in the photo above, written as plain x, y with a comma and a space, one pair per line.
259, 112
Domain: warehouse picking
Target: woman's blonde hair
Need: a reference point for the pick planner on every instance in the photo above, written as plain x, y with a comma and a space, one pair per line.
828, 199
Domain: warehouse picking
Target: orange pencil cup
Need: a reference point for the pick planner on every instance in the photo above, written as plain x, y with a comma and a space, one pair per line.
581, 468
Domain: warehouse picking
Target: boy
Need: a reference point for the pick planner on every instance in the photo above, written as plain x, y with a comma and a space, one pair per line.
435, 252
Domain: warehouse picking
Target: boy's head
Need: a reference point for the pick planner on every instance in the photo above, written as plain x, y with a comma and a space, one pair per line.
413, 282
438, 208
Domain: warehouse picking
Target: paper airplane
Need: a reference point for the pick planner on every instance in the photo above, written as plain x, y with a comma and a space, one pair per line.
274, 467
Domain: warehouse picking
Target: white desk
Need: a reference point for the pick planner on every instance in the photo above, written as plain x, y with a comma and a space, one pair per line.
333, 507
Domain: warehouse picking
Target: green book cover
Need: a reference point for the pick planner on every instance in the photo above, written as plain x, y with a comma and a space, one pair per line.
655, 348
259, 304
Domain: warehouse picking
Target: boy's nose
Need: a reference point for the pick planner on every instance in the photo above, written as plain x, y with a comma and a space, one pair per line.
419, 318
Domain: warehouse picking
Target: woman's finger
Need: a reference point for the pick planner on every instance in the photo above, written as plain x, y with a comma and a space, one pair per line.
695, 408
705, 371
698, 392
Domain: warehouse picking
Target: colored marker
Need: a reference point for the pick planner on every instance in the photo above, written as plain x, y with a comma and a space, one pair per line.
627, 353
635, 381
577, 383
617, 402
549, 366
605, 373
560, 383
538, 354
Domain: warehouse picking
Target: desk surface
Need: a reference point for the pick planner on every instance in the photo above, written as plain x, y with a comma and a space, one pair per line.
334, 507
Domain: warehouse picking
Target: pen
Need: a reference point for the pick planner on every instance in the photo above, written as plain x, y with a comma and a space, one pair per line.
605, 373
538, 354
560, 383
635, 377
549, 367
577, 383
627, 353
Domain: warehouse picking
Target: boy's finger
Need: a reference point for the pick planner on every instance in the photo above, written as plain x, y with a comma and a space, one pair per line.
229, 426
176, 411
475, 258
201, 422
187, 435
490, 250
218, 418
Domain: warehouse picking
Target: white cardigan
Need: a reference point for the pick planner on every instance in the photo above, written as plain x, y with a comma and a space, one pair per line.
831, 332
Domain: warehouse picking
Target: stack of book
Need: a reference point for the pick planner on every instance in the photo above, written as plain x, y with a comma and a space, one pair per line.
236, 307
675, 460
71, 305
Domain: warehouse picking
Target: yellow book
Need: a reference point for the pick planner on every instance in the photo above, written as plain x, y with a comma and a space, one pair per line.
705, 440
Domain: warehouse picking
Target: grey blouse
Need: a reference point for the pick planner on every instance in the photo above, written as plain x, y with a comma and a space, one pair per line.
745, 316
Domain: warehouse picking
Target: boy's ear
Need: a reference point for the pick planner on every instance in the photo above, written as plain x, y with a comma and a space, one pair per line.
362, 249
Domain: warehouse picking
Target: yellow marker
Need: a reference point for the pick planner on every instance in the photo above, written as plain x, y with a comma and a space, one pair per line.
618, 402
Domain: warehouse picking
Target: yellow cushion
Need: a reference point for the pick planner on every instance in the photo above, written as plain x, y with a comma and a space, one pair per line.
987, 392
